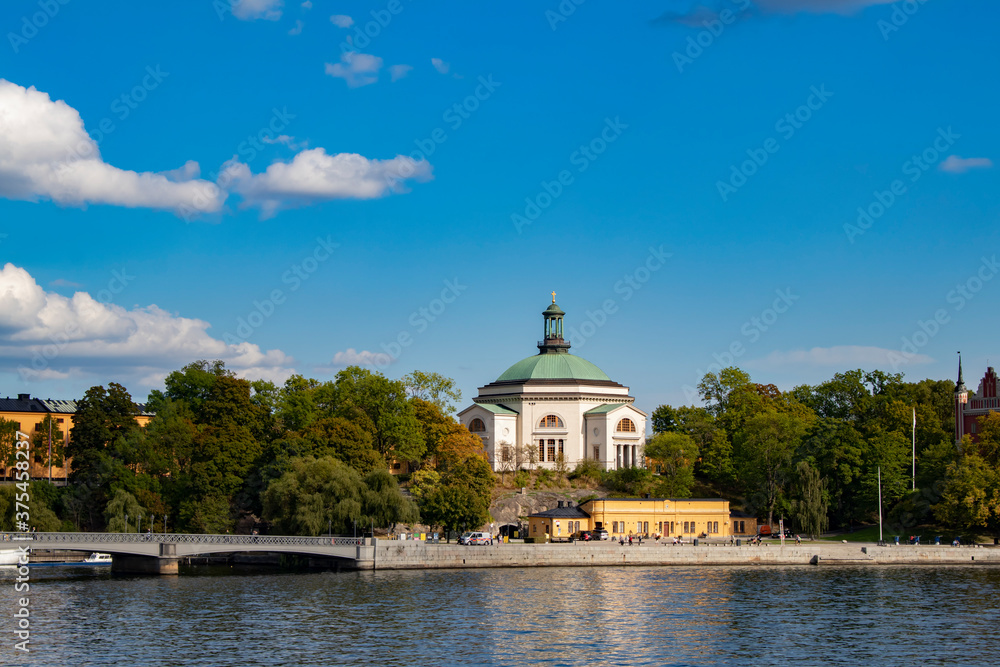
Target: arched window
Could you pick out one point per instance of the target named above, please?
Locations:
(477, 425)
(550, 421)
(626, 426)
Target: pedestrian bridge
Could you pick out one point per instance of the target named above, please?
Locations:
(158, 553)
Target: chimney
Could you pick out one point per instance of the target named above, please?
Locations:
(560, 503)
(24, 397)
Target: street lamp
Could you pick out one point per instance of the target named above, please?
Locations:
(138, 526)
(165, 523)
(126, 523)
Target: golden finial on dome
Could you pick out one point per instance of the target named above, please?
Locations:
(553, 297)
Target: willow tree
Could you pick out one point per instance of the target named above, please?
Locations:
(810, 506)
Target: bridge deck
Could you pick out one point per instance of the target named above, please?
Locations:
(184, 544)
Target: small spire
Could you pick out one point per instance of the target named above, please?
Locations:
(960, 381)
(553, 297)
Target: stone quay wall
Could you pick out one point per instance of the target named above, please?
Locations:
(409, 555)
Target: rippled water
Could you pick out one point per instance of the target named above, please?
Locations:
(558, 616)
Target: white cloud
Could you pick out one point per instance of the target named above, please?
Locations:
(351, 357)
(818, 6)
(342, 20)
(399, 71)
(251, 10)
(46, 153)
(313, 176)
(45, 335)
(842, 356)
(286, 140)
(955, 164)
(297, 30)
(307, 5)
(440, 65)
(694, 13)
(357, 69)
(62, 282)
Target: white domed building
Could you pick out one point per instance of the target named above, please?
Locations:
(554, 409)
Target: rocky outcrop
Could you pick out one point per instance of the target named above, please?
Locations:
(514, 507)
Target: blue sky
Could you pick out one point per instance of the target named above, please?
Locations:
(240, 181)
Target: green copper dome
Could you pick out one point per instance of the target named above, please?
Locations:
(553, 361)
(553, 367)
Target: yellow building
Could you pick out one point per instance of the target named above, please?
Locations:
(28, 415)
(686, 517)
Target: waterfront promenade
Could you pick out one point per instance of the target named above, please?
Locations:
(403, 555)
(160, 553)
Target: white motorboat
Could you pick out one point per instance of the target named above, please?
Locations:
(9, 556)
(98, 558)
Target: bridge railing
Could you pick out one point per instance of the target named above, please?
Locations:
(54, 539)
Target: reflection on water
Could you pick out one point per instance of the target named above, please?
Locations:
(558, 616)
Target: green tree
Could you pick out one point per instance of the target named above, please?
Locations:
(435, 388)
(673, 456)
(462, 498)
(664, 419)
(715, 459)
(970, 500)
(104, 420)
(122, 505)
(716, 389)
(344, 440)
(763, 450)
(631, 482)
(838, 452)
(381, 407)
(809, 502)
(315, 494)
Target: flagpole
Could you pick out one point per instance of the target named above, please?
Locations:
(880, 504)
(914, 483)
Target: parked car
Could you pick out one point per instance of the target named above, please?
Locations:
(600, 534)
(476, 537)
